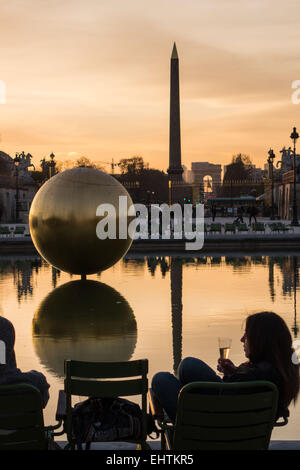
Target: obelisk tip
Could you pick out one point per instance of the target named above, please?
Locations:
(174, 52)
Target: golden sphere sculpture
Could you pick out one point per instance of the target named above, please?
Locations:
(63, 221)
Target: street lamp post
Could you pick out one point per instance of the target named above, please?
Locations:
(52, 165)
(295, 328)
(294, 136)
(271, 174)
(17, 161)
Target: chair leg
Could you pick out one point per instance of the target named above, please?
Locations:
(163, 441)
(145, 446)
(69, 446)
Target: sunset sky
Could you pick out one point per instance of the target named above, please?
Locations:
(91, 78)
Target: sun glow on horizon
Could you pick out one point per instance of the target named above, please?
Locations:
(92, 78)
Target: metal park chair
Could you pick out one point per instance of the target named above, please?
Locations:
(215, 228)
(21, 419)
(280, 227)
(220, 416)
(229, 228)
(206, 228)
(258, 227)
(273, 226)
(242, 227)
(284, 228)
(4, 231)
(19, 230)
(89, 379)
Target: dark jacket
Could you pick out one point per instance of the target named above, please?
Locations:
(261, 371)
(37, 379)
(9, 373)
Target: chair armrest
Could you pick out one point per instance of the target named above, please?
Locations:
(156, 409)
(61, 410)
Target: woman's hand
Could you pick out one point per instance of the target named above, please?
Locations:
(226, 367)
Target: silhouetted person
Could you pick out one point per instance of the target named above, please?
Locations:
(252, 214)
(213, 212)
(240, 215)
(9, 373)
(268, 349)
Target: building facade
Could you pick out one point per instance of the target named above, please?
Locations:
(16, 186)
(284, 196)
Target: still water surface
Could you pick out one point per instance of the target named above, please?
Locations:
(160, 308)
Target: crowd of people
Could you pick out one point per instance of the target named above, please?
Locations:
(239, 212)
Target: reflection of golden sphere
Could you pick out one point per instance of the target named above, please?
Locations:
(83, 320)
(63, 221)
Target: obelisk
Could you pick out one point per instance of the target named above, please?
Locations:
(175, 169)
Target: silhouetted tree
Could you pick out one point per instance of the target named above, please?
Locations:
(239, 179)
(239, 169)
(86, 162)
(133, 164)
(146, 185)
(80, 162)
(38, 177)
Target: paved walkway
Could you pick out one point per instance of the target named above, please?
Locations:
(155, 445)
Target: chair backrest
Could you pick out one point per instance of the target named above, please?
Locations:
(19, 229)
(258, 226)
(84, 379)
(216, 227)
(21, 418)
(225, 416)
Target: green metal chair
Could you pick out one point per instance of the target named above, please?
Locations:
(284, 228)
(206, 228)
(273, 226)
(21, 419)
(258, 227)
(242, 227)
(82, 379)
(19, 230)
(229, 228)
(215, 228)
(4, 230)
(220, 416)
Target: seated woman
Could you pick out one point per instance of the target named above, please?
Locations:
(268, 348)
(9, 373)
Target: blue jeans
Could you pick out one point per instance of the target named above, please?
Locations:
(167, 387)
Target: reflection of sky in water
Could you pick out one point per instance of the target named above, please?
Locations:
(170, 308)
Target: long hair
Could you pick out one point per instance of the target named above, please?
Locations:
(270, 340)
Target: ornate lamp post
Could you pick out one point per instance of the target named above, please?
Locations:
(295, 328)
(271, 175)
(17, 161)
(294, 136)
(52, 165)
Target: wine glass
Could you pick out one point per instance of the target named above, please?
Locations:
(224, 347)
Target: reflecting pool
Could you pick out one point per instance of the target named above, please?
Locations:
(157, 307)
